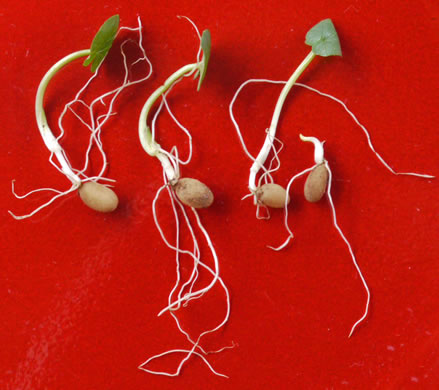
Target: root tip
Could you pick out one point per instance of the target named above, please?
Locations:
(15, 216)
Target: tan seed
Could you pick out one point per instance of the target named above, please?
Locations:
(272, 195)
(316, 183)
(193, 193)
(98, 197)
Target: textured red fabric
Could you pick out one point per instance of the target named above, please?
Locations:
(80, 291)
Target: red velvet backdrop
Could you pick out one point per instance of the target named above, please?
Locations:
(80, 291)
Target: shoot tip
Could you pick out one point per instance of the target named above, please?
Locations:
(304, 138)
(318, 148)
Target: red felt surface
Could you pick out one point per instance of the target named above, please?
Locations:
(80, 291)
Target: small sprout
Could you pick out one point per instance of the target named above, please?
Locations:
(193, 193)
(98, 197)
(102, 43)
(316, 183)
(272, 195)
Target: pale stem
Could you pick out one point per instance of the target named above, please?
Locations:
(318, 148)
(268, 144)
(47, 135)
(146, 137)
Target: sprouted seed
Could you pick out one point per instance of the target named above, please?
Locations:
(183, 191)
(324, 41)
(322, 181)
(97, 196)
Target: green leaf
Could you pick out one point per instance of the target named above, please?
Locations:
(324, 39)
(205, 47)
(102, 42)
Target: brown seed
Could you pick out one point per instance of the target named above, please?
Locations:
(98, 197)
(193, 193)
(316, 183)
(272, 195)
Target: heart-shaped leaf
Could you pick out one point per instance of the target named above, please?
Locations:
(102, 42)
(323, 39)
(205, 47)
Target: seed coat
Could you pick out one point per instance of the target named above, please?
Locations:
(272, 195)
(98, 197)
(193, 193)
(316, 183)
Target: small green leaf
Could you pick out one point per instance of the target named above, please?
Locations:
(324, 39)
(205, 47)
(102, 42)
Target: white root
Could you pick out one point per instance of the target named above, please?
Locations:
(195, 254)
(177, 372)
(290, 233)
(94, 124)
(49, 202)
(354, 260)
(173, 305)
(366, 133)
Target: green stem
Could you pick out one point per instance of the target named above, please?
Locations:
(287, 88)
(148, 143)
(39, 110)
(268, 144)
(47, 135)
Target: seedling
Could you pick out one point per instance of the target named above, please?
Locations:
(324, 42)
(95, 195)
(182, 192)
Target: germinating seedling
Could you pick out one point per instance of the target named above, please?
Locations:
(97, 196)
(324, 41)
(182, 192)
(318, 183)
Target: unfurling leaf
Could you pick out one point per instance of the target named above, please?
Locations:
(102, 42)
(205, 47)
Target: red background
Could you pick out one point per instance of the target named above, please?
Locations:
(80, 291)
